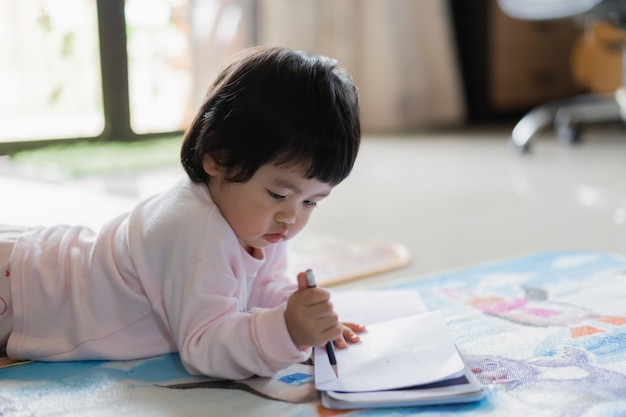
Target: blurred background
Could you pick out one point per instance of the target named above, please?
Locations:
(114, 83)
(115, 69)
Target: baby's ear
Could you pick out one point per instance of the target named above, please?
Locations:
(210, 165)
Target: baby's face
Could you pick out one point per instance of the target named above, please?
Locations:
(274, 205)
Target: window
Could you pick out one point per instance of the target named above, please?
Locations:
(49, 70)
(111, 69)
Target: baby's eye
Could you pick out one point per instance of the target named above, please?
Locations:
(309, 203)
(275, 196)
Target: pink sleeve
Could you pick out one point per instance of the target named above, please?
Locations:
(215, 338)
(243, 345)
(272, 286)
(269, 332)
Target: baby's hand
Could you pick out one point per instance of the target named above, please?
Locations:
(310, 317)
(349, 334)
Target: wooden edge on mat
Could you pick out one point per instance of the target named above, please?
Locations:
(337, 259)
(402, 259)
(6, 362)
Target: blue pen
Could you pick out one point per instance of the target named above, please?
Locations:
(310, 278)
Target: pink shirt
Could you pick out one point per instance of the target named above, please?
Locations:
(168, 276)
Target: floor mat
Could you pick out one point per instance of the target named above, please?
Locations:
(544, 334)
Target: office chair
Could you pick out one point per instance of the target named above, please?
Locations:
(568, 115)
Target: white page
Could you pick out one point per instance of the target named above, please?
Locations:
(395, 354)
(374, 306)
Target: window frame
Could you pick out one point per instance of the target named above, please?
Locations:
(115, 85)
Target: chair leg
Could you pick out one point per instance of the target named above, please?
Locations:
(529, 125)
(568, 116)
(566, 130)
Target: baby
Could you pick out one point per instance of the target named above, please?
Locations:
(200, 268)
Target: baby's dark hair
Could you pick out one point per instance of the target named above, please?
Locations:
(276, 105)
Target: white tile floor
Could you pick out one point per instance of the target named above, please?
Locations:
(454, 199)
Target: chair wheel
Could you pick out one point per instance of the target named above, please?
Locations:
(568, 132)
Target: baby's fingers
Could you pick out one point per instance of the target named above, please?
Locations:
(355, 327)
(349, 334)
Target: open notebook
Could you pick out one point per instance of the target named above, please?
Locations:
(408, 361)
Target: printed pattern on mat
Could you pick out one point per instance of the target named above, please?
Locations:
(545, 334)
